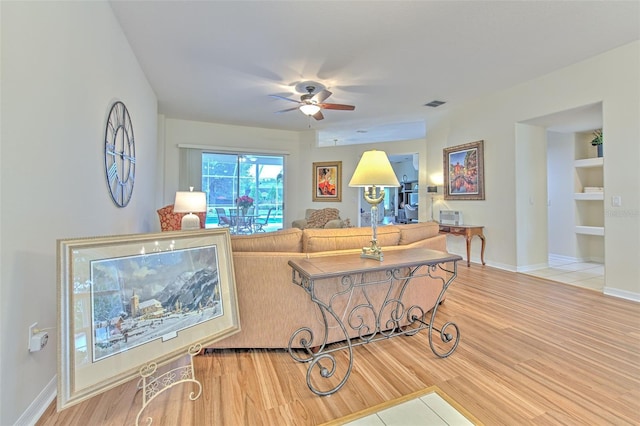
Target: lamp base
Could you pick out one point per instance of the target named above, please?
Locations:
(374, 252)
(190, 222)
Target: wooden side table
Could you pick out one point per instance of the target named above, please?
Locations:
(467, 231)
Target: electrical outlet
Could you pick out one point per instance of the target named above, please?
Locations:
(39, 341)
(32, 327)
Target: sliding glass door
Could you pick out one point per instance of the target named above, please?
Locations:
(227, 177)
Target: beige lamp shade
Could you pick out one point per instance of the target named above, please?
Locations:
(189, 202)
(374, 172)
(374, 168)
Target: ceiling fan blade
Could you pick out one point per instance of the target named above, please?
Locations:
(338, 106)
(318, 115)
(285, 99)
(287, 110)
(321, 96)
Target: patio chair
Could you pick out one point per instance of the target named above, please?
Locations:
(260, 223)
(245, 221)
(223, 219)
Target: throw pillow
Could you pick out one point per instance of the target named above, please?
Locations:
(320, 217)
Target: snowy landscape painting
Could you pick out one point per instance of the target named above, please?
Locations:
(130, 301)
(140, 298)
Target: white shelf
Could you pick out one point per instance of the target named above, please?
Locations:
(589, 196)
(589, 173)
(589, 162)
(590, 230)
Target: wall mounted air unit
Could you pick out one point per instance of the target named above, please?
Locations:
(450, 217)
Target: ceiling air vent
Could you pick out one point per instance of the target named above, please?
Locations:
(434, 104)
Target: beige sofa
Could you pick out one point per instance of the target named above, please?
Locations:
(271, 307)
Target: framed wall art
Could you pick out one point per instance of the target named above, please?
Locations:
(125, 301)
(464, 171)
(327, 181)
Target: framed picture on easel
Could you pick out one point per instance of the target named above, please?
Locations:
(125, 301)
(463, 168)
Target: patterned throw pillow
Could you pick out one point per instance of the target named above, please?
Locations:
(319, 218)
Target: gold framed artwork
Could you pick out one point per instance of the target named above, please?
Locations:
(327, 181)
(126, 301)
(463, 170)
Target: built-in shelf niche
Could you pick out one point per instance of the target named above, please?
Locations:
(589, 178)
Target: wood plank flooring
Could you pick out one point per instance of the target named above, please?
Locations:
(531, 352)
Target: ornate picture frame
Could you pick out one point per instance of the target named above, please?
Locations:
(126, 301)
(463, 169)
(327, 181)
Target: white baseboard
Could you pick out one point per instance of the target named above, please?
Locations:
(502, 266)
(528, 268)
(562, 258)
(39, 405)
(570, 259)
(623, 294)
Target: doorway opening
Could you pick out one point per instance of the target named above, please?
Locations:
(572, 236)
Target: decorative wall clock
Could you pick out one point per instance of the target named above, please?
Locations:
(119, 154)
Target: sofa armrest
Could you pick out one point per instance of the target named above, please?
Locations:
(335, 223)
(299, 223)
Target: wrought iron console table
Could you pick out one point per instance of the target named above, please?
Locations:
(364, 298)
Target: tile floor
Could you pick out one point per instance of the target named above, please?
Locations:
(430, 409)
(582, 274)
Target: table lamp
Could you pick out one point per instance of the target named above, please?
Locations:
(374, 172)
(190, 202)
(432, 190)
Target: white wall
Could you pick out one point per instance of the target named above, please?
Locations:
(353, 202)
(405, 168)
(63, 65)
(200, 134)
(531, 195)
(610, 78)
(302, 153)
(560, 175)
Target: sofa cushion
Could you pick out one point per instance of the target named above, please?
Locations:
(286, 240)
(320, 217)
(315, 240)
(410, 233)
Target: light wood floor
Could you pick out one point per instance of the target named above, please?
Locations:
(531, 352)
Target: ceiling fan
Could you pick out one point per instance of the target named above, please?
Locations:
(312, 103)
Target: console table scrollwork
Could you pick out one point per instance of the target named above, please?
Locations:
(363, 299)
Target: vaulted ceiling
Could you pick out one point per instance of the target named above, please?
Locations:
(219, 61)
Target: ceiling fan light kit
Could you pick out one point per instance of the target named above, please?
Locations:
(312, 103)
(309, 109)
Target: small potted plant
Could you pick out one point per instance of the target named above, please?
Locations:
(597, 141)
